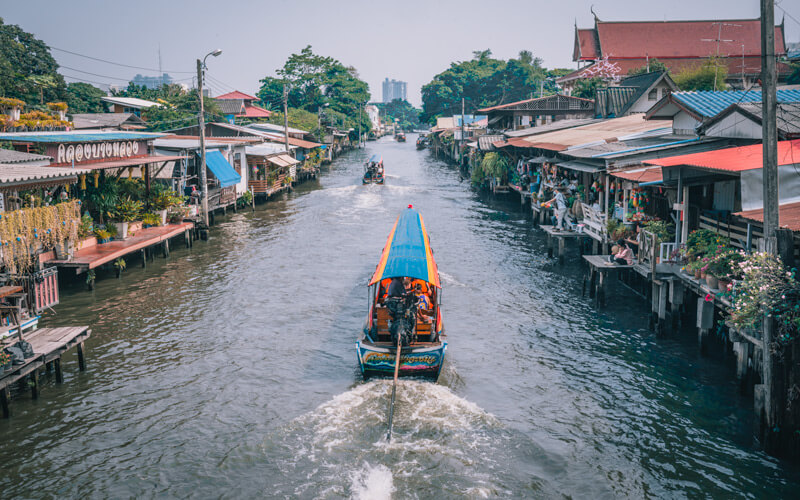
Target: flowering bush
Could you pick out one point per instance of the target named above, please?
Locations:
(763, 287)
(725, 263)
(704, 241)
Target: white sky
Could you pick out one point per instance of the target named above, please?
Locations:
(409, 40)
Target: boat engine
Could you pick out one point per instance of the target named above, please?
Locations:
(403, 315)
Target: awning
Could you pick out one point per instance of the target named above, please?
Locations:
(222, 170)
(641, 176)
(407, 252)
(282, 160)
(540, 159)
(131, 162)
(576, 165)
(19, 175)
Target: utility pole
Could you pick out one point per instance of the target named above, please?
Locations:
(286, 116)
(770, 200)
(201, 118)
(359, 125)
(461, 146)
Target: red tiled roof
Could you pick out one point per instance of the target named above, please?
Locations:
(752, 66)
(788, 214)
(237, 95)
(640, 175)
(680, 39)
(255, 112)
(587, 42)
(733, 159)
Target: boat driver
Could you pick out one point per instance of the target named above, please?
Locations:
(396, 288)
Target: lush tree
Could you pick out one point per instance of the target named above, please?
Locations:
(653, 65)
(27, 69)
(482, 82)
(313, 82)
(586, 87)
(794, 77)
(180, 110)
(298, 118)
(406, 114)
(85, 98)
(712, 73)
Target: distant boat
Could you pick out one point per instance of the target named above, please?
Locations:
(400, 320)
(400, 137)
(373, 171)
(422, 142)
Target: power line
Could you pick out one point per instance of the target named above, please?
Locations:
(114, 63)
(95, 74)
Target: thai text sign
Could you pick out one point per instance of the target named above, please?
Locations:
(71, 153)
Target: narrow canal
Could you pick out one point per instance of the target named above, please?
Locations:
(229, 370)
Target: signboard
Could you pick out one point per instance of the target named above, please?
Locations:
(90, 152)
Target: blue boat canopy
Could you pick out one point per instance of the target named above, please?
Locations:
(376, 159)
(222, 169)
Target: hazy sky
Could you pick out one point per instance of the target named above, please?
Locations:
(406, 40)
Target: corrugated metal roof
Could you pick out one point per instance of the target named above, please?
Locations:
(11, 156)
(552, 127)
(97, 120)
(131, 102)
(282, 160)
(230, 106)
(639, 175)
(77, 136)
(263, 149)
(18, 174)
(733, 159)
(486, 142)
(274, 127)
(256, 112)
(787, 117)
(708, 103)
(605, 131)
(788, 215)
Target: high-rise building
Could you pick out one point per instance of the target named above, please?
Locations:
(152, 82)
(394, 89)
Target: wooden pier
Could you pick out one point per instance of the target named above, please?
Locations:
(95, 256)
(556, 241)
(49, 345)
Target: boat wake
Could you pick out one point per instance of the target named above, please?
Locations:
(442, 446)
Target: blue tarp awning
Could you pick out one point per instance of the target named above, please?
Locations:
(222, 170)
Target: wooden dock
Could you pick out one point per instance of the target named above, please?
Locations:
(49, 344)
(86, 259)
(557, 238)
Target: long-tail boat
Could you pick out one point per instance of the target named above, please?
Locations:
(405, 314)
(373, 171)
(400, 137)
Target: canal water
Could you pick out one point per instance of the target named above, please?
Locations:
(229, 370)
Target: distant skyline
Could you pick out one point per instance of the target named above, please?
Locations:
(411, 43)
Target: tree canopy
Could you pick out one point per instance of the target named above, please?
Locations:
(407, 115)
(84, 98)
(314, 82)
(27, 69)
(704, 77)
(483, 81)
(653, 65)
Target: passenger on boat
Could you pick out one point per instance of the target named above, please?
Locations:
(396, 288)
(424, 305)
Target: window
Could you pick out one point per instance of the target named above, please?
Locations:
(652, 95)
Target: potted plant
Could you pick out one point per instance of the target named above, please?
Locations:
(152, 220)
(126, 211)
(102, 235)
(5, 361)
(163, 201)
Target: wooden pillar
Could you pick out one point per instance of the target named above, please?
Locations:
(5, 398)
(166, 248)
(601, 288)
(59, 372)
(561, 242)
(34, 383)
(186, 237)
(81, 358)
(705, 321)
(549, 245)
(144, 258)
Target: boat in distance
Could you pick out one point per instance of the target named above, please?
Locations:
(373, 170)
(404, 307)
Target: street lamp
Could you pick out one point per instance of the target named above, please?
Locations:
(203, 176)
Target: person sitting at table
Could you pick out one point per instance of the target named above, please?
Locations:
(624, 255)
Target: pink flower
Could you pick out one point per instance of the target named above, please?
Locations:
(709, 298)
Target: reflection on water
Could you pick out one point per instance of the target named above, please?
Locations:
(229, 370)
